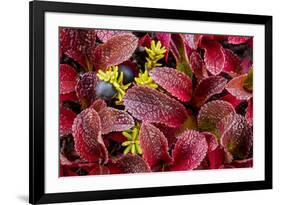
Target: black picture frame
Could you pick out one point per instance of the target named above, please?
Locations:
(37, 10)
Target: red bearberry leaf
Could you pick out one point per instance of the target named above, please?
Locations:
(244, 163)
(215, 154)
(86, 43)
(212, 112)
(116, 137)
(86, 131)
(145, 41)
(68, 38)
(165, 39)
(175, 82)
(128, 164)
(66, 170)
(97, 169)
(249, 112)
(68, 97)
(169, 133)
(77, 56)
(116, 50)
(67, 79)
(213, 57)
(181, 51)
(236, 135)
(189, 151)
(237, 39)
(232, 61)
(190, 40)
(86, 88)
(216, 158)
(78, 44)
(66, 119)
(207, 88)
(197, 40)
(211, 140)
(198, 66)
(235, 88)
(189, 123)
(104, 35)
(98, 105)
(246, 65)
(154, 146)
(209, 37)
(153, 106)
(231, 99)
(113, 120)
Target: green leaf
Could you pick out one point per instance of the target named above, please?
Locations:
(133, 150)
(189, 123)
(248, 83)
(126, 143)
(184, 66)
(128, 149)
(182, 58)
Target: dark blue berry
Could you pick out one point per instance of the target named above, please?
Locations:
(105, 90)
(128, 74)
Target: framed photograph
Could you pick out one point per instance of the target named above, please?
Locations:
(140, 102)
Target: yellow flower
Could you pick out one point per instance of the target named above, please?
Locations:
(112, 76)
(155, 53)
(145, 80)
(133, 142)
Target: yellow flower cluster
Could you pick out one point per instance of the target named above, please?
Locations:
(145, 80)
(155, 53)
(133, 143)
(112, 76)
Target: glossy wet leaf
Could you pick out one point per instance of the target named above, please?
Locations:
(68, 79)
(145, 41)
(237, 39)
(236, 88)
(68, 97)
(66, 119)
(169, 133)
(232, 61)
(165, 39)
(114, 51)
(231, 99)
(211, 140)
(98, 105)
(207, 88)
(104, 35)
(114, 120)
(175, 82)
(78, 44)
(150, 105)
(86, 130)
(181, 51)
(216, 158)
(213, 57)
(154, 146)
(129, 164)
(86, 88)
(98, 169)
(190, 149)
(198, 66)
(213, 112)
(236, 135)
